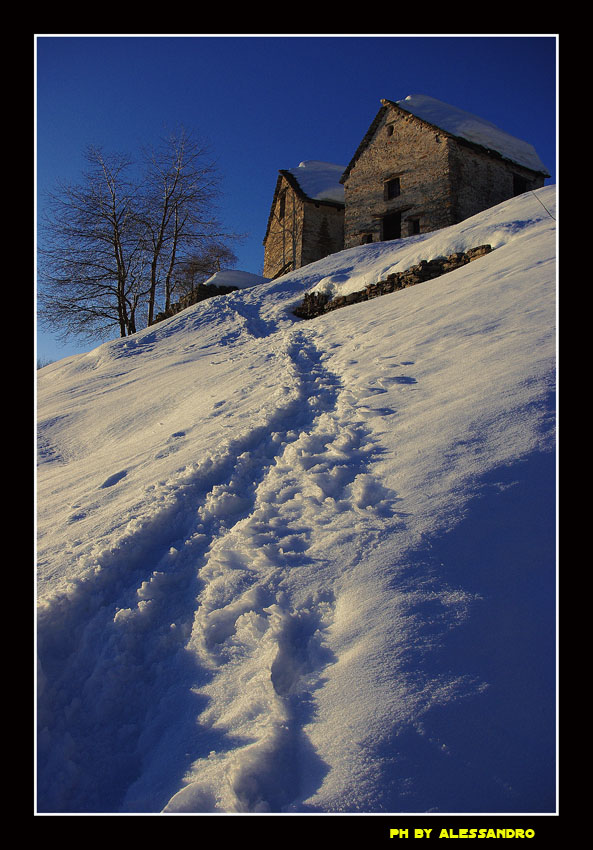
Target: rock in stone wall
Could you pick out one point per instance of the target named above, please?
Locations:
(317, 303)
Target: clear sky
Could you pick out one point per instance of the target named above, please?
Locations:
(269, 102)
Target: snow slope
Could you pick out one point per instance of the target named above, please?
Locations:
(309, 567)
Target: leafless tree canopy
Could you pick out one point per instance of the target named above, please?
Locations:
(114, 248)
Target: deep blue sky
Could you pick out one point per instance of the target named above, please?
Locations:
(265, 103)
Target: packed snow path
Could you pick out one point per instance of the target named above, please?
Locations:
(309, 568)
(239, 525)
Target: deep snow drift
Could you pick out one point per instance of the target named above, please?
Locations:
(309, 567)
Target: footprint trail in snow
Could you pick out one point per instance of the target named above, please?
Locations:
(192, 649)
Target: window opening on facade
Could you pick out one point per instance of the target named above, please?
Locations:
(367, 238)
(414, 226)
(282, 206)
(392, 188)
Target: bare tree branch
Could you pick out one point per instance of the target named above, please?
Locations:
(111, 245)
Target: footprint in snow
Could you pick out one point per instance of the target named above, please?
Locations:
(113, 479)
(173, 445)
(369, 412)
(399, 379)
(76, 517)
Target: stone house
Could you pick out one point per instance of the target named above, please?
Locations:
(424, 165)
(306, 221)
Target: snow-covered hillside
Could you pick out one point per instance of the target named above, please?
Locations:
(309, 567)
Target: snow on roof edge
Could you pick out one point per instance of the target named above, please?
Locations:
(319, 180)
(472, 128)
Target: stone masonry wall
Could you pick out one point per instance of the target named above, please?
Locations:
(480, 181)
(317, 303)
(323, 231)
(307, 232)
(283, 243)
(404, 147)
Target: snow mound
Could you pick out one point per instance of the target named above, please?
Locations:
(474, 129)
(231, 277)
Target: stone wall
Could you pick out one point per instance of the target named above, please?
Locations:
(283, 243)
(323, 232)
(480, 181)
(318, 303)
(300, 231)
(401, 147)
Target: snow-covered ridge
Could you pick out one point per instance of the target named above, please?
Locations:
(309, 567)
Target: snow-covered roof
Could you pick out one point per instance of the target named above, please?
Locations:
(472, 128)
(316, 180)
(459, 124)
(232, 277)
(319, 181)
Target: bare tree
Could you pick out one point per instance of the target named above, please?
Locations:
(90, 252)
(178, 196)
(112, 245)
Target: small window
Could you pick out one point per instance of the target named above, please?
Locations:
(392, 189)
(414, 226)
(282, 206)
(367, 238)
(390, 129)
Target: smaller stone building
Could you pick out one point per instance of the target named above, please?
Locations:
(306, 221)
(424, 165)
